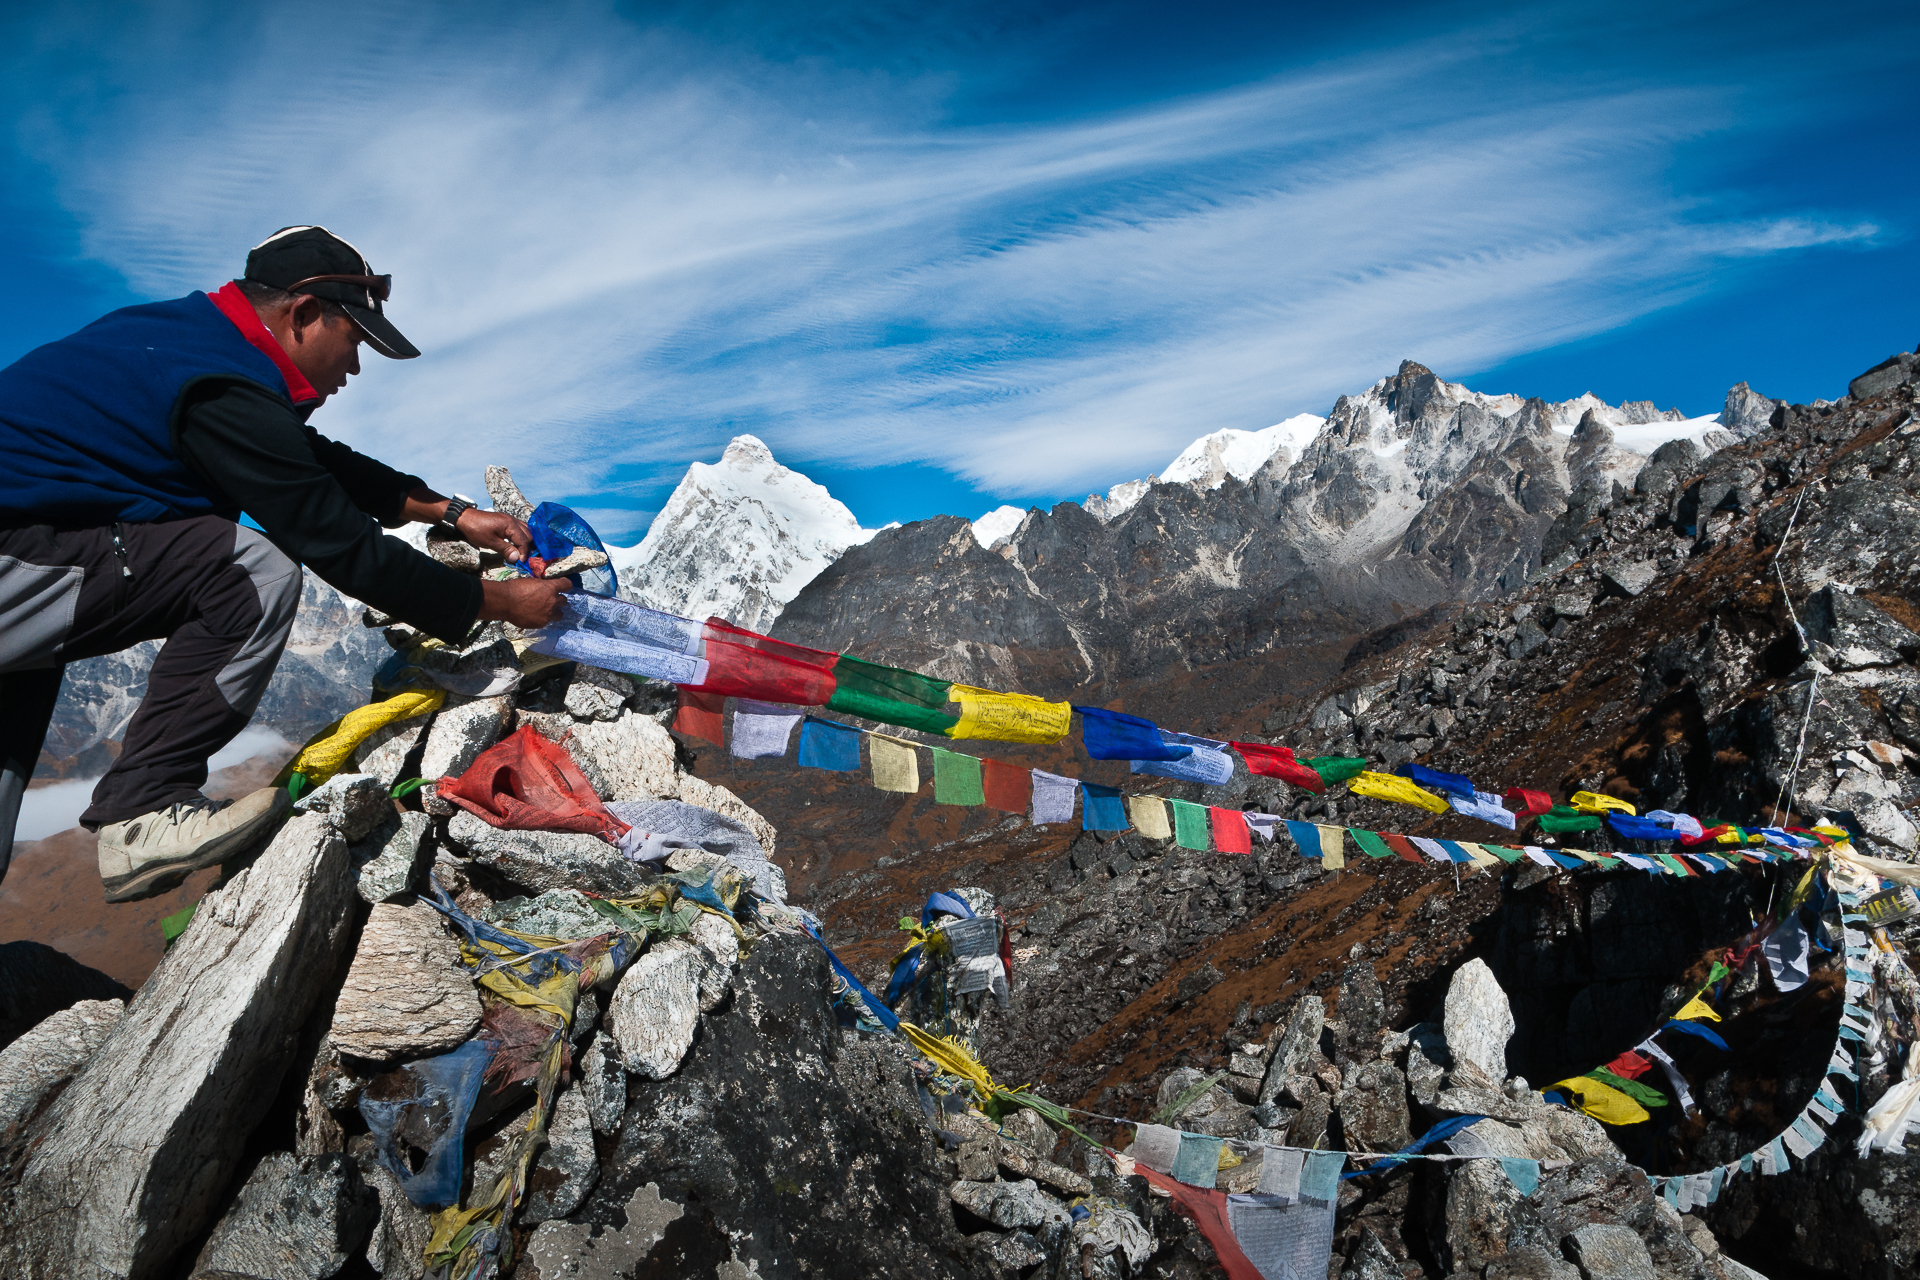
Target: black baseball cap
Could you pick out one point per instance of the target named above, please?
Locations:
(313, 260)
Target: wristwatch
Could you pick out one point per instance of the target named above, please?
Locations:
(455, 506)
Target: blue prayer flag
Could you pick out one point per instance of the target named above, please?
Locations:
(1641, 828)
(1320, 1175)
(1204, 765)
(1523, 1174)
(1114, 735)
(1306, 835)
(1198, 1160)
(1102, 810)
(1454, 850)
(1695, 1029)
(827, 744)
(1454, 784)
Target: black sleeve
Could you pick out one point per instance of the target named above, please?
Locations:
(250, 445)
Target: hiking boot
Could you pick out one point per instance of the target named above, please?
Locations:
(154, 852)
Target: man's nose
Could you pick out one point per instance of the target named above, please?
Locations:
(353, 362)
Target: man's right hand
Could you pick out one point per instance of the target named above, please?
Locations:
(529, 603)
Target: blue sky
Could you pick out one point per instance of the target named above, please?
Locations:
(996, 253)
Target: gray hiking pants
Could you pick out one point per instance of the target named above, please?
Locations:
(221, 596)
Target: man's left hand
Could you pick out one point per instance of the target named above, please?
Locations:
(495, 531)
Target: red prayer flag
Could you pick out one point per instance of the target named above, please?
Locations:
(1279, 762)
(525, 783)
(1404, 847)
(1230, 834)
(1208, 1210)
(1630, 1065)
(1708, 836)
(746, 664)
(1008, 787)
(1528, 804)
(701, 716)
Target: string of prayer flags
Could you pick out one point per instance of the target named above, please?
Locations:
(761, 729)
(1332, 769)
(1387, 786)
(1052, 797)
(956, 778)
(703, 716)
(1484, 806)
(1190, 824)
(621, 636)
(1006, 787)
(1565, 820)
(746, 664)
(1454, 784)
(1230, 831)
(1278, 762)
(1529, 804)
(1008, 717)
(1101, 808)
(1594, 802)
(828, 744)
(890, 695)
(895, 763)
(1205, 762)
(1114, 735)
(1149, 814)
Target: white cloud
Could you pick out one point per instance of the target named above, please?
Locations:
(619, 248)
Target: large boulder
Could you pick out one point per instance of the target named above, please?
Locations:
(655, 1009)
(1477, 1020)
(37, 982)
(543, 860)
(132, 1161)
(293, 1219)
(48, 1056)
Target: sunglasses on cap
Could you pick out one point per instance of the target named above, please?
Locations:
(379, 287)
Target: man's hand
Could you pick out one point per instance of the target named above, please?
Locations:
(495, 531)
(529, 603)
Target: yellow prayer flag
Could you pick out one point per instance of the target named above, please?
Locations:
(1481, 858)
(1695, 1008)
(1603, 1102)
(1594, 802)
(1389, 786)
(895, 764)
(327, 752)
(1149, 816)
(1333, 847)
(1008, 717)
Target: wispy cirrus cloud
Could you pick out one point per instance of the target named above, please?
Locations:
(620, 245)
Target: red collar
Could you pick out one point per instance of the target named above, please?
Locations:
(234, 306)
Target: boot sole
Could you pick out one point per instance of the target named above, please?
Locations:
(160, 877)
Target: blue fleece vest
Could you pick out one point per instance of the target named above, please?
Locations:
(86, 423)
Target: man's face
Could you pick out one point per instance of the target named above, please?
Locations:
(323, 344)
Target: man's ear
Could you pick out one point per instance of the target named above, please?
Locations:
(306, 310)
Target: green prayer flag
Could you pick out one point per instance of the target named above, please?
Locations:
(1644, 1094)
(956, 778)
(1334, 769)
(1370, 843)
(1503, 853)
(171, 927)
(1191, 826)
(890, 695)
(1564, 818)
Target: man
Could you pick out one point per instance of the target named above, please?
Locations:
(128, 452)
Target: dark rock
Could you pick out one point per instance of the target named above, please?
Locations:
(292, 1219)
(37, 982)
(1372, 1109)
(1883, 377)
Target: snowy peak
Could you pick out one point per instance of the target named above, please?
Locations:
(997, 524)
(1208, 461)
(739, 538)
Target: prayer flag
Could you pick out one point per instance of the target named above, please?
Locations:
(1114, 735)
(895, 764)
(1370, 843)
(1564, 820)
(746, 664)
(1189, 824)
(1484, 806)
(1529, 803)
(1333, 847)
(1149, 814)
(761, 729)
(1454, 784)
(1633, 828)
(1386, 786)
(1401, 846)
(1522, 1173)
(1673, 865)
(1052, 797)
(1332, 769)
(1230, 831)
(1155, 1146)
(1007, 787)
(1696, 1008)
(1307, 836)
(1479, 855)
(890, 695)
(827, 744)
(1320, 1176)
(1101, 809)
(956, 778)
(1280, 1172)
(1262, 825)
(1607, 1105)
(1204, 764)
(701, 715)
(1684, 823)
(1278, 762)
(1504, 853)
(1198, 1160)
(1433, 849)
(1008, 717)
(1594, 802)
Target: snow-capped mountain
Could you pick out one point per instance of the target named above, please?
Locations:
(738, 538)
(1209, 460)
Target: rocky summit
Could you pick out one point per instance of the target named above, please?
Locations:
(401, 1039)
